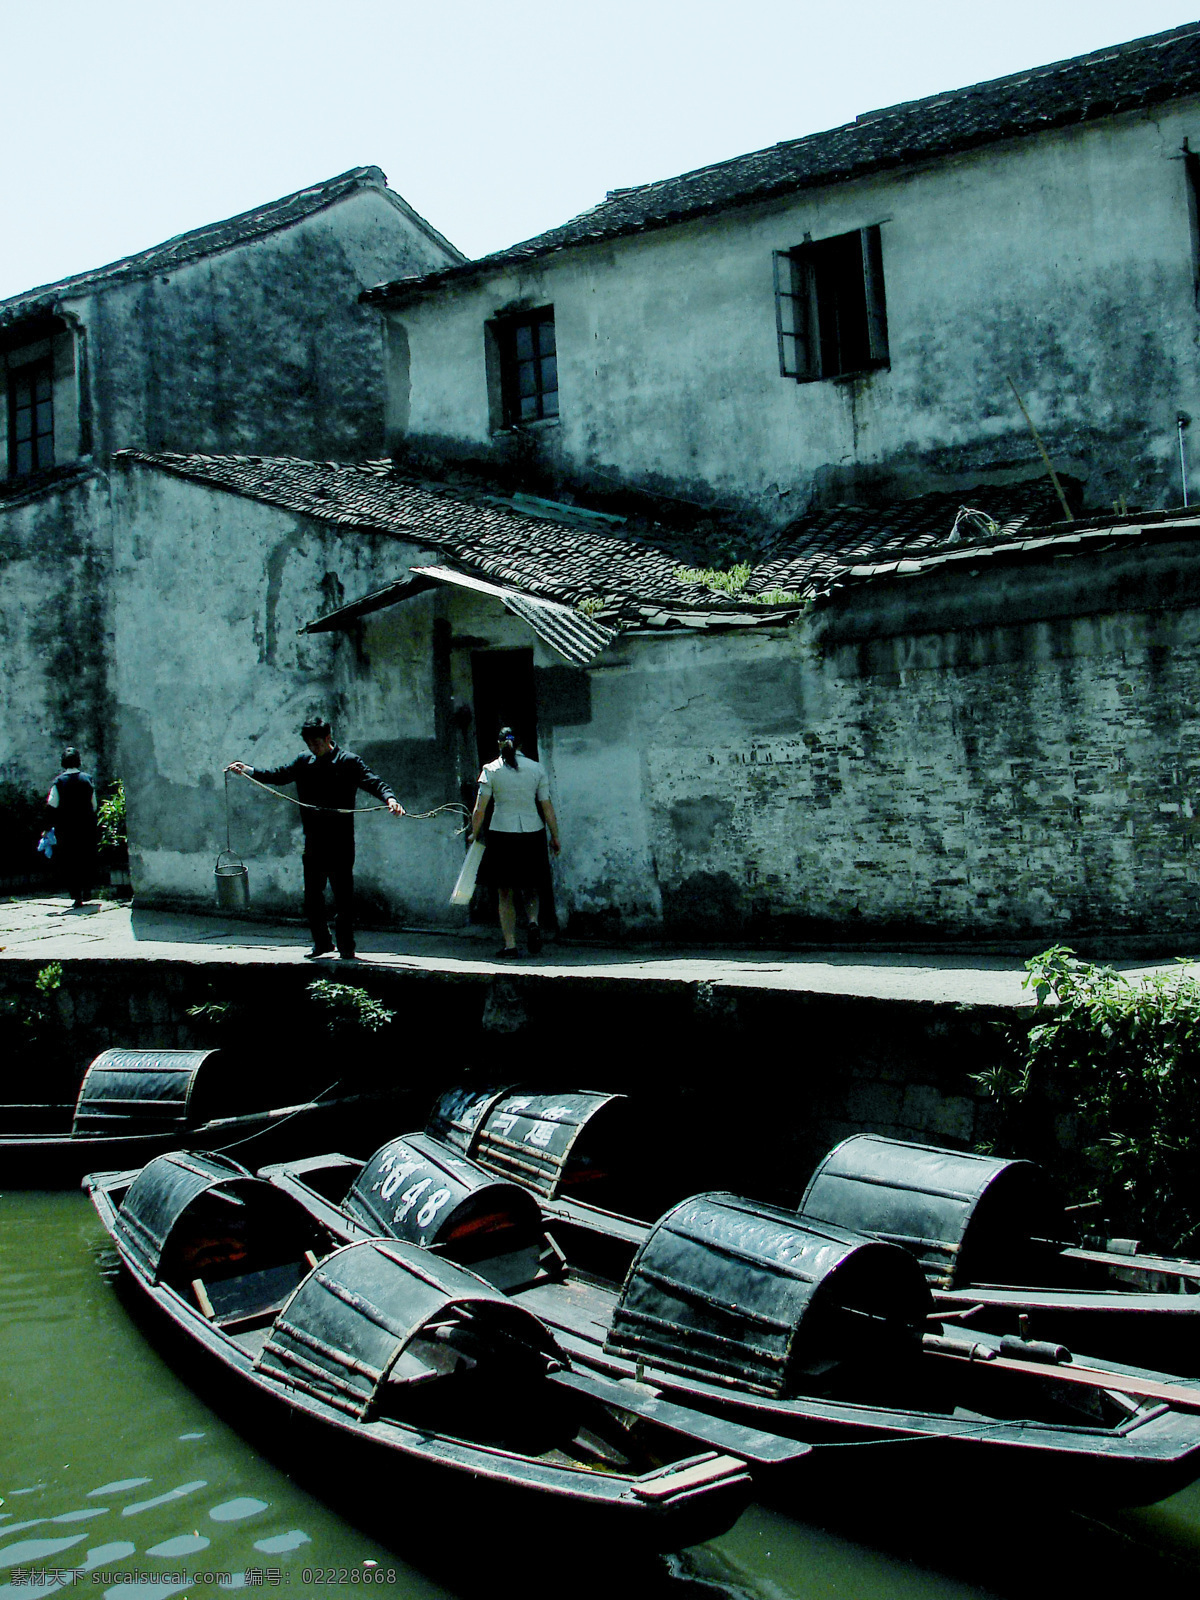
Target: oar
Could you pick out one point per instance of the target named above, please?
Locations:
(1174, 1394)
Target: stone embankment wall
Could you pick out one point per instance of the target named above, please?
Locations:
(735, 1088)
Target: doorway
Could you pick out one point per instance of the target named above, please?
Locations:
(503, 686)
(505, 694)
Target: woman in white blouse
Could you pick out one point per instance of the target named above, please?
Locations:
(515, 857)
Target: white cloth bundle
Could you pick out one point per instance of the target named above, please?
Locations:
(465, 887)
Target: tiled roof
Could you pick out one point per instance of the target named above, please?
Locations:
(1126, 77)
(206, 241)
(634, 578)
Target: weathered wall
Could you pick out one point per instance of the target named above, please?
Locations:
(1064, 259)
(1024, 768)
(260, 349)
(210, 592)
(55, 633)
(1009, 753)
(263, 348)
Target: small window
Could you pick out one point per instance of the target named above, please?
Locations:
(31, 419)
(528, 366)
(829, 307)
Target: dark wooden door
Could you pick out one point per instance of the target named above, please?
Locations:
(506, 696)
(503, 685)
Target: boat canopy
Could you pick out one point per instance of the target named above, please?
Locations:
(963, 1216)
(139, 1091)
(732, 1292)
(552, 1143)
(456, 1117)
(376, 1312)
(191, 1215)
(417, 1190)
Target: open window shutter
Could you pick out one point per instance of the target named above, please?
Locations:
(786, 315)
(872, 259)
(793, 318)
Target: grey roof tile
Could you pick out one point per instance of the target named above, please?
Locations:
(632, 574)
(1126, 77)
(206, 241)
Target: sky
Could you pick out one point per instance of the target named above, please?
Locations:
(130, 121)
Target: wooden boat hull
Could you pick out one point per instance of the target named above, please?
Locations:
(61, 1160)
(426, 1470)
(1151, 1454)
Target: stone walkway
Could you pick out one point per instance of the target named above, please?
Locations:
(46, 928)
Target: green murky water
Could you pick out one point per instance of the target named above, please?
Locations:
(117, 1478)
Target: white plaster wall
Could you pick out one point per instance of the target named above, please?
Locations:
(1063, 259)
(1021, 773)
(261, 348)
(210, 591)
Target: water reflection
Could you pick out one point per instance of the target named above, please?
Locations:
(101, 1438)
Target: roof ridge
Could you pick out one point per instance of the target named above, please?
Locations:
(1108, 52)
(1104, 82)
(209, 238)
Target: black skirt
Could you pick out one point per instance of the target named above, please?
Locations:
(514, 860)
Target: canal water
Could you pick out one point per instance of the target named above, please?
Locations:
(117, 1477)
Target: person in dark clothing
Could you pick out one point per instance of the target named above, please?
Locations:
(329, 779)
(72, 799)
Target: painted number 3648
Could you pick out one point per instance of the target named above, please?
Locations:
(409, 1198)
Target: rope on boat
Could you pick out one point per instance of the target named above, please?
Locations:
(220, 1149)
(355, 811)
(913, 1438)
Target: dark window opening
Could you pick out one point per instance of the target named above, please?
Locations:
(1191, 168)
(505, 692)
(31, 419)
(829, 307)
(528, 367)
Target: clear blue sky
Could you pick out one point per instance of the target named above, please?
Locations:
(128, 121)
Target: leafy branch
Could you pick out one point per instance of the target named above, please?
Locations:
(348, 1008)
(1125, 1056)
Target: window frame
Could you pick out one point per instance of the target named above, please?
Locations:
(507, 331)
(41, 369)
(804, 309)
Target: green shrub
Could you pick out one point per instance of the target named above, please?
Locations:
(110, 815)
(1124, 1056)
(348, 1009)
(26, 1021)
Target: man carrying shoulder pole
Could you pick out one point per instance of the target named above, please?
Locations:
(327, 783)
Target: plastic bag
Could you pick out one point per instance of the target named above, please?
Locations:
(465, 887)
(48, 843)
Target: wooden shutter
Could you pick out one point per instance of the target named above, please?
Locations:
(872, 259)
(794, 322)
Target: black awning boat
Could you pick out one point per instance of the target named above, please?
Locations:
(572, 1144)
(989, 1232)
(436, 1375)
(992, 1240)
(809, 1331)
(135, 1104)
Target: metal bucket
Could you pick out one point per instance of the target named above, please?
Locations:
(233, 882)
